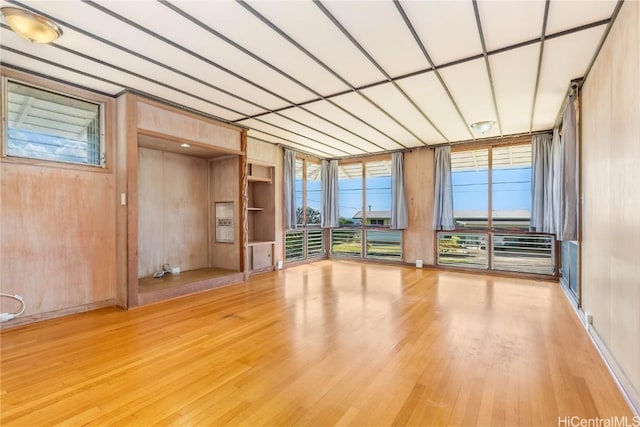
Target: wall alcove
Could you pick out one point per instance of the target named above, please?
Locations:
(179, 167)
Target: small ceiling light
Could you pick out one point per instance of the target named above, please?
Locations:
(32, 27)
(483, 127)
(185, 145)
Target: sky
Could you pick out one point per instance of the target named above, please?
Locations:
(511, 191)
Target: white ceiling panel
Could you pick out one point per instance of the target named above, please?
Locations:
(383, 34)
(391, 99)
(167, 55)
(293, 137)
(355, 102)
(505, 23)
(126, 80)
(238, 24)
(162, 20)
(260, 136)
(565, 58)
(514, 74)
(309, 131)
(470, 87)
(260, 73)
(570, 14)
(324, 125)
(336, 115)
(447, 28)
(434, 101)
(304, 22)
(10, 58)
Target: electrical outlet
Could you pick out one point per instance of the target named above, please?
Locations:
(418, 263)
(588, 318)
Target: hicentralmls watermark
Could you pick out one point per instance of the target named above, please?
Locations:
(575, 421)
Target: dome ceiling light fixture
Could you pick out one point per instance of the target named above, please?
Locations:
(33, 27)
(482, 127)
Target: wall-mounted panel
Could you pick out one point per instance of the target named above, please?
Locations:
(610, 173)
(225, 187)
(418, 239)
(58, 237)
(184, 126)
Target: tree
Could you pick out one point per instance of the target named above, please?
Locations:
(313, 216)
(345, 221)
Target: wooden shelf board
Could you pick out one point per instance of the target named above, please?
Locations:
(261, 242)
(258, 179)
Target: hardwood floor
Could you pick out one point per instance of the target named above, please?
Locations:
(329, 343)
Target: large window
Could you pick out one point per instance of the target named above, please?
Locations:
(308, 240)
(46, 125)
(492, 187)
(492, 207)
(364, 188)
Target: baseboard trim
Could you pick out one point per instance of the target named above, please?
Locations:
(629, 392)
(26, 320)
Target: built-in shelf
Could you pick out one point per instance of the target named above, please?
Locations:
(261, 242)
(258, 179)
(261, 223)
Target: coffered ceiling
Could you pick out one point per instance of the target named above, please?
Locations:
(331, 78)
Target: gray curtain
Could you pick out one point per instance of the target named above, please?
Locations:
(557, 193)
(399, 215)
(329, 181)
(290, 190)
(542, 184)
(443, 195)
(569, 229)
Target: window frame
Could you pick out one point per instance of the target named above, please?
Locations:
(363, 227)
(104, 104)
(305, 160)
(490, 230)
(489, 147)
(363, 161)
(303, 229)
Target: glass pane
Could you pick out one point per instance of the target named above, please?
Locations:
(315, 242)
(525, 253)
(314, 193)
(299, 191)
(293, 246)
(467, 250)
(470, 177)
(350, 193)
(50, 126)
(346, 242)
(384, 244)
(511, 187)
(378, 193)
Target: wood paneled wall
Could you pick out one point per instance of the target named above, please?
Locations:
(172, 211)
(224, 188)
(611, 199)
(418, 242)
(57, 227)
(166, 121)
(58, 237)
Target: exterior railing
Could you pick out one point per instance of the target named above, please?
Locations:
(303, 244)
(367, 243)
(523, 253)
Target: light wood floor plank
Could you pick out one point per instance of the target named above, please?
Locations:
(329, 343)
